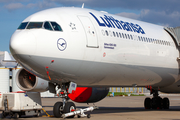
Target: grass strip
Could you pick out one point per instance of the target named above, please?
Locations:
(125, 94)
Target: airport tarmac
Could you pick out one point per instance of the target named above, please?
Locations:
(115, 108)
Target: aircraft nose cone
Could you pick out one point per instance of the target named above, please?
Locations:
(22, 43)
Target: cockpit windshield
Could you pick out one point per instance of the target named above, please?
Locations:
(23, 25)
(55, 26)
(33, 25)
(48, 25)
(52, 26)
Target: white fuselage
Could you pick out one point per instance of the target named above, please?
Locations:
(91, 50)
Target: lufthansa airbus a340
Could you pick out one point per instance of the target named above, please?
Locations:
(69, 47)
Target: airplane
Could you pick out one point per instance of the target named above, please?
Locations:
(84, 52)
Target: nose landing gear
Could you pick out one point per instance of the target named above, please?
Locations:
(63, 107)
(156, 102)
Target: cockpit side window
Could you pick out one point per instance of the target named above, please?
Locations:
(55, 26)
(23, 25)
(47, 26)
(33, 25)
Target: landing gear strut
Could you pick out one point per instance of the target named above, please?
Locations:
(156, 102)
(64, 106)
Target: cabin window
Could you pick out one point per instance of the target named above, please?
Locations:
(125, 36)
(114, 34)
(22, 25)
(110, 33)
(128, 36)
(117, 34)
(144, 39)
(106, 33)
(139, 38)
(151, 39)
(120, 35)
(131, 37)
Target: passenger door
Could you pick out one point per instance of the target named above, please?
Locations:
(91, 35)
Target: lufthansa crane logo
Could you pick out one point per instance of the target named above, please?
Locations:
(61, 44)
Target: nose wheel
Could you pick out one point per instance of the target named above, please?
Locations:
(63, 107)
(69, 107)
(59, 110)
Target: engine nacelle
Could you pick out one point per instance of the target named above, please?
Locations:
(29, 82)
(88, 94)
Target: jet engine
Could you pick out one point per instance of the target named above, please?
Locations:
(88, 94)
(29, 82)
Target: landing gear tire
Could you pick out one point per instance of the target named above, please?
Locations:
(58, 109)
(89, 115)
(157, 103)
(166, 103)
(154, 104)
(148, 103)
(16, 115)
(20, 115)
(69, 107)
(3, 115)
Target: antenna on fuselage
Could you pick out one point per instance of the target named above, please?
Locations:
(83, 5)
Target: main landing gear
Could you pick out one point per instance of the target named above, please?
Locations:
(156, 102)
(64, 106)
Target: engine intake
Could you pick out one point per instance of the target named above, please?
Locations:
(29, 82)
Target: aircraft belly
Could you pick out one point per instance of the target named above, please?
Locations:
(107, 74)
(88, 73)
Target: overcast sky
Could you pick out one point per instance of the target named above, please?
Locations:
(161, 12)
